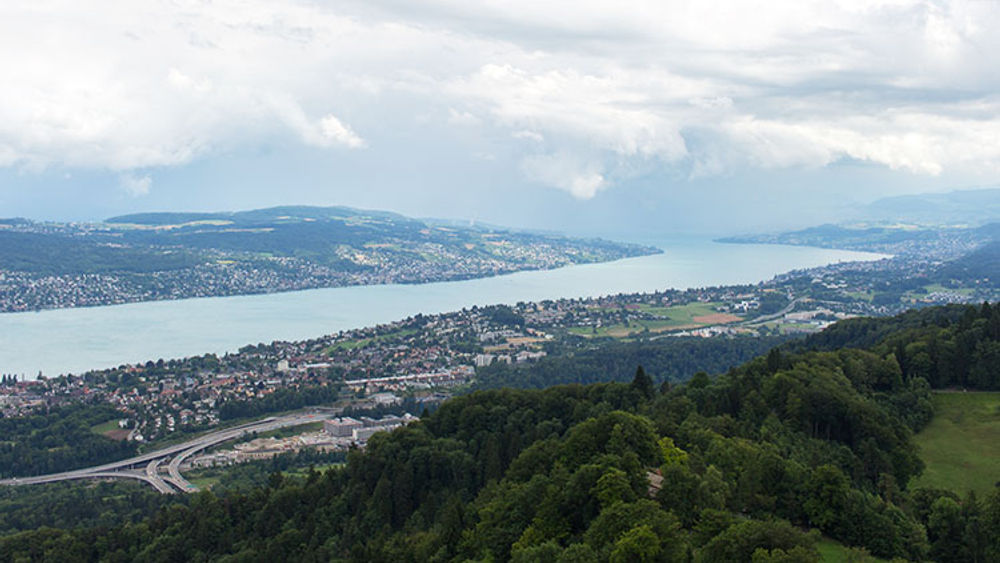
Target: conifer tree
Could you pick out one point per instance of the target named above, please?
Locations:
(643, 383)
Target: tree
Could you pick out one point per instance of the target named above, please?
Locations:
(638, 544)
(672, 455)
(945, 528)
(741, 541)
(613, 486)
(643, 383)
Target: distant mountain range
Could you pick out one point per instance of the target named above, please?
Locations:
(150, 256)
(943, 243)
(962, 207)
(938, 226)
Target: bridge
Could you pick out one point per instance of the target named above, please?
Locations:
(147, 467)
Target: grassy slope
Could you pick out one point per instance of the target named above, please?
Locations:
(960, 445)
(105, 427)
(832, 551)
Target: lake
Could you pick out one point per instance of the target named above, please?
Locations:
(76, 340)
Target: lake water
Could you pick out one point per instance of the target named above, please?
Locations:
(75, 340)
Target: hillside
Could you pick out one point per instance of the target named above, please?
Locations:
(959, 446)
(952, 208)
(904, 240)
(755, 464)
(154, 256)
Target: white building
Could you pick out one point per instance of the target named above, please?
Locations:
(341, 427)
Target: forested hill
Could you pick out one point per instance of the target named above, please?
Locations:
(755, 464)
(153, 256)
(954, 346)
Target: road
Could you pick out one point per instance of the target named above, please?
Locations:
(761, 320)
(177, 454)
(153, 476)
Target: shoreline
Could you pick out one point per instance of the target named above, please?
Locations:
(443, 279)
(121, 334)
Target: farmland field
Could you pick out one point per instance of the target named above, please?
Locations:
(692, 315)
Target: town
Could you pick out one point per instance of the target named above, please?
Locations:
(414, 363)
(105, 264)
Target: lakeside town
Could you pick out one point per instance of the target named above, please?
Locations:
(408, 365)
(60, 265)
(227, 275)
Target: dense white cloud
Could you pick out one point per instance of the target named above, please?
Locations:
(584, 94)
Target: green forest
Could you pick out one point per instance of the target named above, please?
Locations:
(62, 439)
(666, 359)
(948, 347)
(756, 464)
(58, 440)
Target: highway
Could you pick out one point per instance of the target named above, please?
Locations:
(150, 463)
(153, 477)
(761, 320)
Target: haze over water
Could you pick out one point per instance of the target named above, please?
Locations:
(76, 340)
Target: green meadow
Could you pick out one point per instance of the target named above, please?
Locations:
(832, 551)
(960, 446)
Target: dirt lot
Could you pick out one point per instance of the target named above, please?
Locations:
(117, 435)
(716, 319)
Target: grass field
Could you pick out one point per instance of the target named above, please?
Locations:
(292, 430)
(940, 288)
(304, 471)
(105, 427)
(863, 296)
(351, 344)
(832, 551)
(673, 318)
(960, 446)
(204, 483)
(111, 430)
(681, 314)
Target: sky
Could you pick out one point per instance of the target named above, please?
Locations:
(582, 116)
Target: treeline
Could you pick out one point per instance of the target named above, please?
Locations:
(255, 474)
(59, 440)
(106, 504)
(955, 346)
(73, 505)
(666, 359)
(285, 399)
(788, 442)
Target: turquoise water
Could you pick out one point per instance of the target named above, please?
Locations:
(75, 340)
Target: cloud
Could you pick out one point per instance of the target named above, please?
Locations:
(136, 186)
(582, 179)
(605, 111)
(578, 97)
(787, 87)
(336, 132)
(151, 84)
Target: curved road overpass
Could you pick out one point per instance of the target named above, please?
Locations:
(177, 454)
